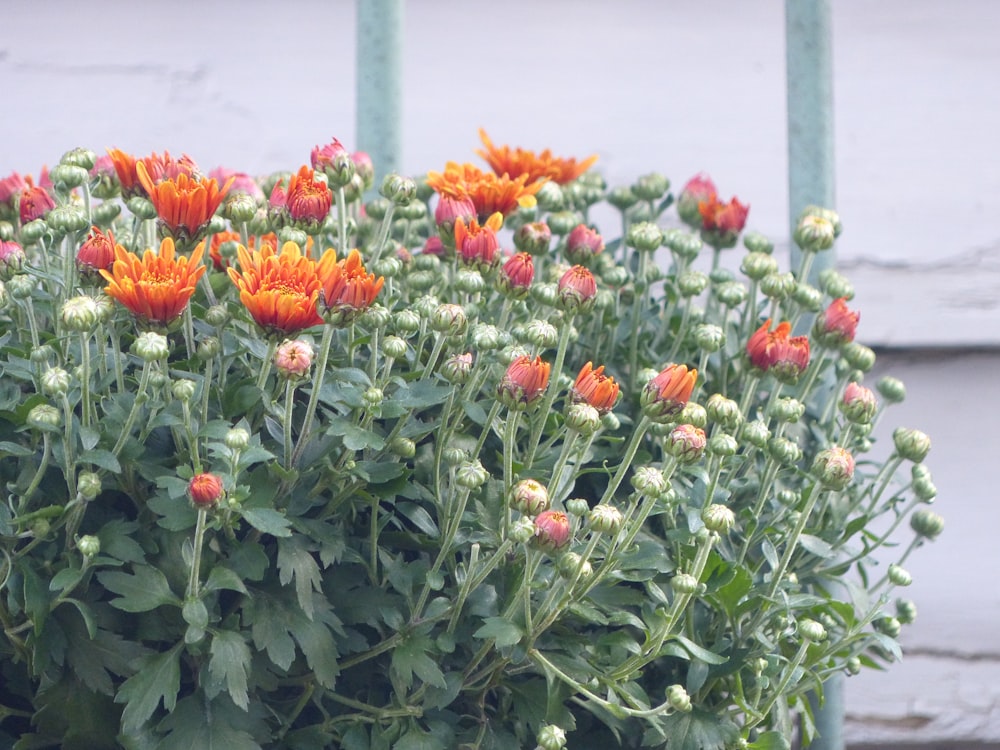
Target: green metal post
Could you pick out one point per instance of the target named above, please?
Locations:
(380, 83)
(809, 61)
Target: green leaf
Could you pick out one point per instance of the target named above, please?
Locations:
(175, 514)
(158, 678)
(420, 518)
(270, 630)
(197, 723)
(770, 741)
(229, 663)
(421, 394)
(267, 520)
(816, 546)
(355, 438)
(295, 562)
(417, 739)
(222, 577)
(15, 449)
(95, 659)
(699, 652)
(501, 630)
(102, 459)
(144, 589)
(117, 542)
(410, 657)
(698, 730)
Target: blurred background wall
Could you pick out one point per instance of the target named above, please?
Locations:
(648, 85)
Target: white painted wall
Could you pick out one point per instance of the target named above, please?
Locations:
(675, 87)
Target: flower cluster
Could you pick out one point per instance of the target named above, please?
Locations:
(290, 462)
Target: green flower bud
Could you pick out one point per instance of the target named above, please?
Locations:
(834, 467)
(141, 208)
(859, 356)
(44, 417)
(564, 222)
(377, 208)
(692, 283)
(812, 630)
(583, 418)
(890, 626)
(151, 346)
(21, 286)
(485, 336)
(237, 439)
(722, 445)
(685, 245)
(403, 447)
(853, 665)
(79, 314)
(927, 523)
(835, 285)
(571, 564)
(104, 214)
(260, 223)
(784, 451)
(622, 198)
(394, 347)
(372, 398)
(406, 321)
(788, 410)
(731, 293)
(293, 234)
(65, 177)
(605, 519)
(55, 381)
(551, 737)
(724, 411)
(542, 334)
(678, 698)
(756, 433)
(456, 369)
(899, 576)
(390, 267)
(88, 485)
(449, 319)
(758, 265)
(545, 293)
(778, 285)
(426, 305)
(651, 187)
(709, 337)
(184, 389)
(471, 475)
(924, 489)
(808, 296)
(469, 281)
(158, 379)
(208, 348)
(522, 530)
(814, 233)
(649, 481)
(912, 445)
(66, 219)
(240, 209)
(756, 242)
(718, 518)
(400, 190)
(692, 414)
(644, 236)
(610, 421)
(454, 456)
(80, 157)
(906, 611)
(577, 506)
(89, 545)
(685, 583)
(550, 198)
(892, 389)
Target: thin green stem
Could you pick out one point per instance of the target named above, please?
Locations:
(287, 421)
(321, 361)
(194, 582)
(140, 399)
(550, 393)
(633, 447)
(265, 367)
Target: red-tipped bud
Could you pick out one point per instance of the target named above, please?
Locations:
(205, 490)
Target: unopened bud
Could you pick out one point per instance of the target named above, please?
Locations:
(644, 236)
(237, 439)
(758, 265)
(924, 489)
(892, 389)
(787, 410)
(899, 576)
(456, 369)
(542, 334)
(605, 519)
(684, 583)
(709, 337)
(563, 222)
(731, 293)
(890, 626)
(926, 523)
(812, 630)
(80, 157)
(44, 417)
(89, 545)
(622, 198)
(906, 611)
(912, 445)
(577, 506)
(686, 443)
(88, 485)
(814, 233)
(406, 321)
(756, 433)
(778, 285)
(529, 497)
(79, 313)
(722, 445)
(372, 398)
(400, 190)
(471, 475)
(583, 418)
(449, 319)
(835, 285)
(522, 530)
(651, 187)
(208, 348)
(724, 411)
(693, 414)
(55, 381)
(151, 346)
(649, 481)
(551, 737)
(572, 564)
(859, 356)
(184, 389)
(784, 451)
(550, 198)
(834, 467)
(692, 283)
(718, 518)
(403, 447)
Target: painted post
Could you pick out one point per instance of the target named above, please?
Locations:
(809, 63)
(380, 83)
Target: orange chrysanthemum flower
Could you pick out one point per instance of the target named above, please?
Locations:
(478, 246)
(185, 205)
(666, 395)
(595, 388)
(278, 290)
(157, 288)
(307, 200)
(488, 192)
(777, 352)
(347, 289)
(504, 160)
(524, 382)
(158, 168)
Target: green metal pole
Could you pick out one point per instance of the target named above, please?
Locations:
(809, 61)
(380, 83)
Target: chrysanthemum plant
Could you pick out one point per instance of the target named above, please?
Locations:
(289, 467)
